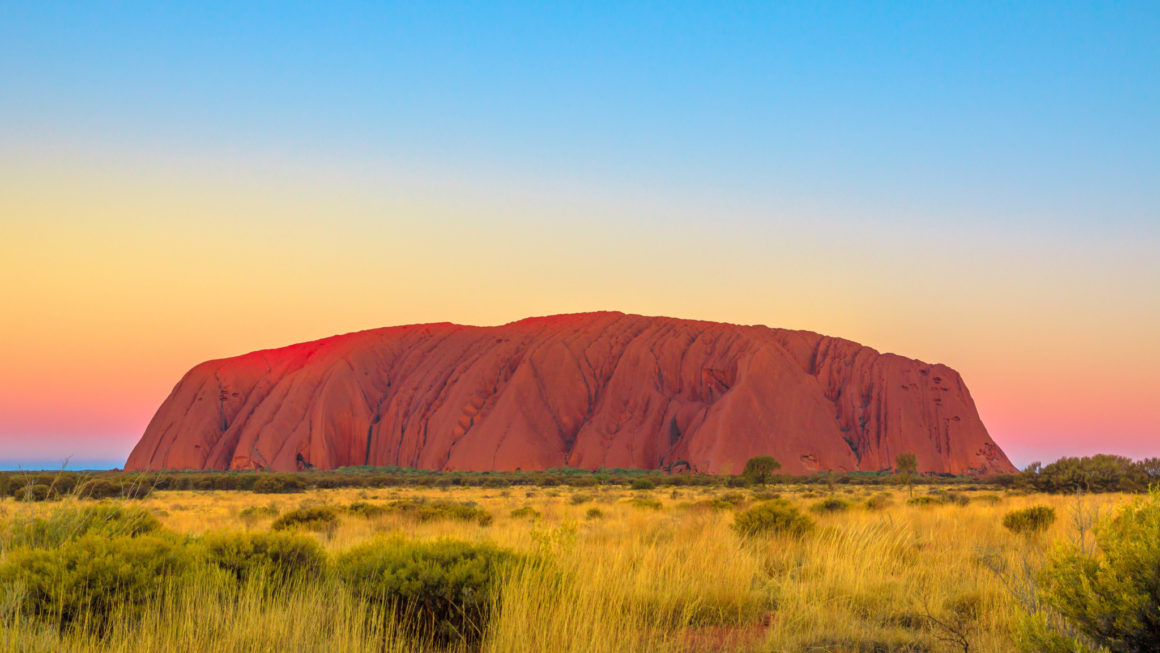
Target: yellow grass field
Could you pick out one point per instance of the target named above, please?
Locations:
(633, 578)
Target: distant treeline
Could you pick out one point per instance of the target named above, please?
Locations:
(41, 485)
(1101, 473)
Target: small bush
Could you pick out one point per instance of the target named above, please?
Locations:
(646, 503)
(100, 488)
(446, 587)
(594, 513)
(281, 556)
(708, 504)
(1110, 598)
(765, 495)
(643, 484)
(69, 522)
(319, 518)
(989, 499)
(526, 512)
(760, 469)
(366, 509)
(956, 499)
(577, 499)
(90, 579)
(33, 492)
(423, 510)
(921, 502)
(734, 499)
(251, 514)
(832, 504)
(278, 485)
(1029, 520)
(879, 501)
(777, 516)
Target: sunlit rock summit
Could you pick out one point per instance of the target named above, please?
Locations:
(591, 390)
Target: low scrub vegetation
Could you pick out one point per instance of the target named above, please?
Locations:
(76, 520)
(678, 569)
(648, 503)
(423, 510)
(281, 556)
(1029, 520)
(831, 504)
(445, 588)
(1102, 598)
(526, 512)
(94, 577)
(772, 517)
(1102, 473)
(879, 501)
(319, 518)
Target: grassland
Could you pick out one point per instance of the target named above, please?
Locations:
(609, 568)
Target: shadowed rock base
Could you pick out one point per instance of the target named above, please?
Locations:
(589, 390)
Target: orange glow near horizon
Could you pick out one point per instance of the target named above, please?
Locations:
(116, 284)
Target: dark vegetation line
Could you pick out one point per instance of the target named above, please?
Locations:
(1100, 473)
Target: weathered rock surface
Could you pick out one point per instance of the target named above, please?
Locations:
(590, 390)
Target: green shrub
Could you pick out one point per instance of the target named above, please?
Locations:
(765, 495)
(35, 492)
(955, 498)
(526, 512)
(734, 499)
(1099, 473)
(643, 484)
(1029, 520)
(423, 510)
(101, 488)
(708, 504)
(1109, 599)
(72, 521)
(921, 502)
(879, 501)
(646, 503)
(319, 518)
(989, 499)
(577, 499)
(251, 514)
(366, 509)
(777, 516)
(89, 579)
(760, 469)
(832, 504)
(280, 556)
(446, 588)
(594, 513)
(278, 484)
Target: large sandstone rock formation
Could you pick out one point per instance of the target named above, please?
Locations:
(591, 390)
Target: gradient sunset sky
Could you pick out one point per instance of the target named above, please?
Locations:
(976, 184)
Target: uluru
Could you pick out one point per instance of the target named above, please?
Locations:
(590, 390)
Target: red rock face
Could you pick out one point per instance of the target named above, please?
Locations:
(596, 390)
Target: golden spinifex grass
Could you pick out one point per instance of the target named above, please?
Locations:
(891, 576)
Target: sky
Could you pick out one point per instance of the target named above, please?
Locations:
(976, 184)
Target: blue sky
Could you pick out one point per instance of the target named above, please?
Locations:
(1037, 105)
